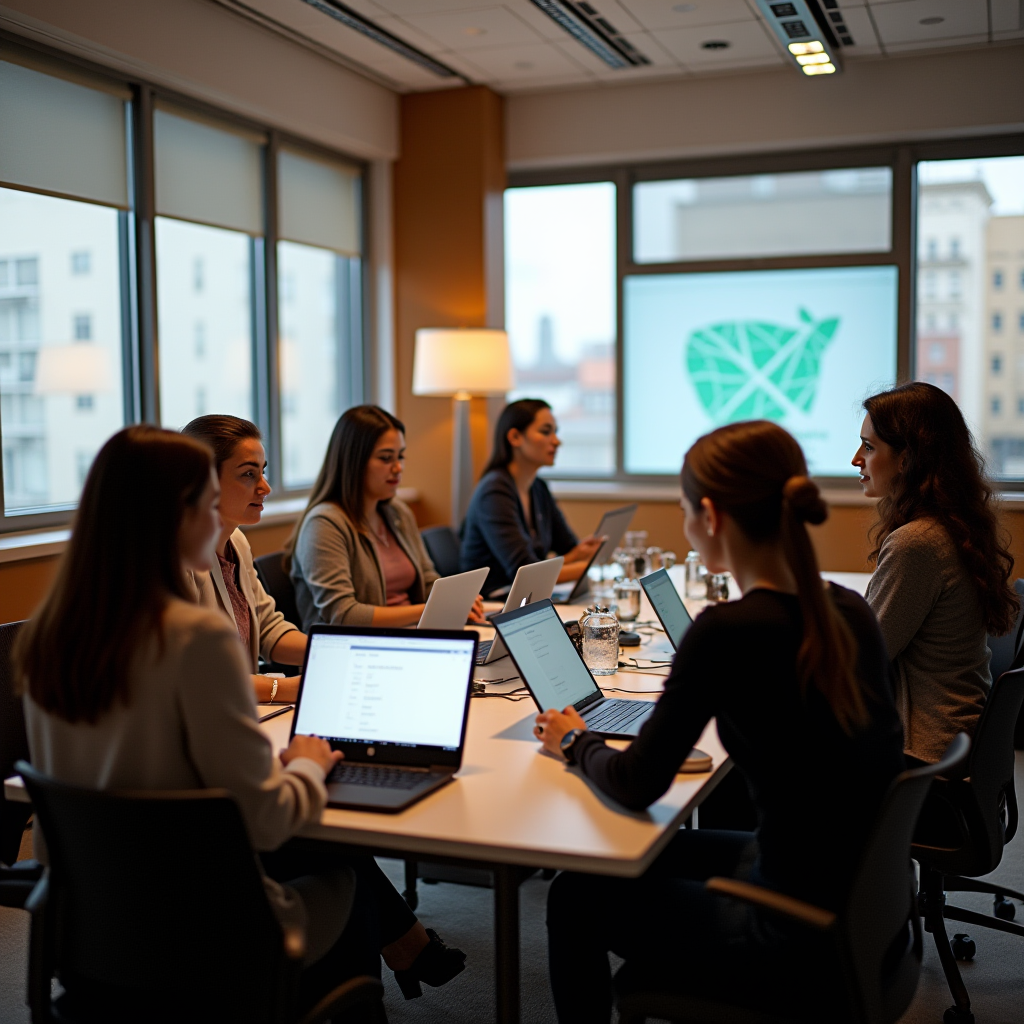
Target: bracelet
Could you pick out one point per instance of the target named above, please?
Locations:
(273, 690)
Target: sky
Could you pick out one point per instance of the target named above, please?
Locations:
(1003, 177)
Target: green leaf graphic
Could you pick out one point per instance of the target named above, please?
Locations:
(752, 369)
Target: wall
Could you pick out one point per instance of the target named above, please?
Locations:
(942, 95)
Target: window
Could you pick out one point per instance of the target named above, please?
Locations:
(997, 279)
(84, 403)
(997, 364)
(932, 250)
(937, 352)
(996, 405)
(954, 248)
(955, 285)
(997, 321)
(1020, 322)
(83, 327)
(1020, 406)
(81, 262)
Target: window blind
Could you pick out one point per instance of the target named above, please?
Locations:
(319, 202)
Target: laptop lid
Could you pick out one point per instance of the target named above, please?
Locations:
(533, 582)
(391, 696)
(612, 527)
(667, 605)
(545, 657)
(451, 599)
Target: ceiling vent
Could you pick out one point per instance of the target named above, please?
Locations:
(585, 24)
(805, 33)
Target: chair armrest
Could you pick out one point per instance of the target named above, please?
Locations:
(337, 1005)
(21, 871)
(774, 902)
(40, 946)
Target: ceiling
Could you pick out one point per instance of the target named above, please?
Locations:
(512, 46)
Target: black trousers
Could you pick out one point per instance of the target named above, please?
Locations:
(666, 920)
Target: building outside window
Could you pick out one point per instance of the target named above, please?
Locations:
(81, 262)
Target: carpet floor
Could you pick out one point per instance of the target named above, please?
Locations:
(462, 915)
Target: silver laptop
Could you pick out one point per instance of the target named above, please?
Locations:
(533, 582)
(395, 702)
(612, 527)
(667, 605)
(451, 599)
(556, 676)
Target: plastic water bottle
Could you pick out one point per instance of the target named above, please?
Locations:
(601, 642)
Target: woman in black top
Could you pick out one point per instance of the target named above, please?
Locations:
(797, 677)
(512, 518)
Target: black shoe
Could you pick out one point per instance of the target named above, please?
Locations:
(436, 965)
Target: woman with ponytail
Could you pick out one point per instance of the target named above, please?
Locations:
(942, 573)
(796, 676)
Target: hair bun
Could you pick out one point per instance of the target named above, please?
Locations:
(805, 500)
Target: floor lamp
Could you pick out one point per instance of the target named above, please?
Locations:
(461, 362)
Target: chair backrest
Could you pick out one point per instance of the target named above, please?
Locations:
(158, 895)
(442, 544)
(278, 584)
(13, 739)
(1008, 651)
(879, 926)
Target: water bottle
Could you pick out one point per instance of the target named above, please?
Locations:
(601, 641)
(696, 577)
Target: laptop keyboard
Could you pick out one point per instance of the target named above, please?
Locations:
(482, 650)
(616, 714)
(372, 775)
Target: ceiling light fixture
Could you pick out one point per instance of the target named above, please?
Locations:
(586, 25)
(715, 44)
(932, 21)
(805, 33)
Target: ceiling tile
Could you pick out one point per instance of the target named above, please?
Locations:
(1007, 15)
(900, 22)
(411, 34)
(417, 7)
(749, 44)
(471, 30)
(615, 12)
(533, 61)
(674, 14)
(858, 21)
(976, 40)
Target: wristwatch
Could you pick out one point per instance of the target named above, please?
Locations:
(568, 744)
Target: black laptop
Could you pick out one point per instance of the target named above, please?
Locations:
(612, 527)
(556, 676)
(667, 605)
(395, 701)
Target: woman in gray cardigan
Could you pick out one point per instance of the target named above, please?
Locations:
(942, 576)
(356, 556)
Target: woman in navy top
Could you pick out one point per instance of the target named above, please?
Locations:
(512, 518)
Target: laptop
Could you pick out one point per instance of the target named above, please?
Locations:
(533, 582)
(667, 605)
(395, 701)
(451, 599)
(556, 675)
(612, 527)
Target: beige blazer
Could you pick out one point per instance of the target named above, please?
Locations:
(337, 575)
(266, 624)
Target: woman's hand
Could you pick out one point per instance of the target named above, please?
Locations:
(315, 749)
(585, 550)
(552, 726)
(476, 613)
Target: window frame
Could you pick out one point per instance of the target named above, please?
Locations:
(137, 249)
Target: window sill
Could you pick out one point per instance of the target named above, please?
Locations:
(612, 490)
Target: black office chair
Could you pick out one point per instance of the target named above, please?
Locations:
(442, 544)
(961, 837)
(278, 584)
(17, 878)
(876, 937)
(153, 908)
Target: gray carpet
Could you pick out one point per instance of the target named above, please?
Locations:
(462, 915)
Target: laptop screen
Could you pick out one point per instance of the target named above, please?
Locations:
(546, 658)
(664, 597)
(405, 691)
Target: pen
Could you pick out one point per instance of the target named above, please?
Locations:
(279, 711)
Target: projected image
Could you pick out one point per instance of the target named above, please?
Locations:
(800, 347)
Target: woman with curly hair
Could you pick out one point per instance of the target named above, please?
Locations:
(942, 571)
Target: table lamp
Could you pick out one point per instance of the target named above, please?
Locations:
(461, 362)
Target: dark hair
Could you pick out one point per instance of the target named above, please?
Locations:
(941, 475)
(120, 566)
(222, 434)
(755, 472)
(516, 415)
(341, 476)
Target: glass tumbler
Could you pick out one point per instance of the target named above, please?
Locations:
(601, 642)
(627, 596)
(696, 577)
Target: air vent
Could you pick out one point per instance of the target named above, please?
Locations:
(587, 26)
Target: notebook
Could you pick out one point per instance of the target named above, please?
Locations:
(612, 527)
(533, 582)
(667, 605)
(395, 702)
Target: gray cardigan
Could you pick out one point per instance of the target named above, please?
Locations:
(932, 622)
(337, 575)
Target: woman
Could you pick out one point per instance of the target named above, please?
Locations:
(512, 518)
(232, 585)
(131, 685)
(796, 676)
(356, 556)
(942, 573)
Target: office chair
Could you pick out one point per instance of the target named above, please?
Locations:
(278, 584)
(876, 936)
(961, 836)
(17, 878)
(442, 544)
(153, 908)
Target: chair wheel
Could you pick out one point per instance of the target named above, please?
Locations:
(954, 1015)
(412, 899)
(963, 949)
(1004, 909)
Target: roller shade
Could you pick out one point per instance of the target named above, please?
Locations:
(207, 173)
(319, 202)
(63, 137)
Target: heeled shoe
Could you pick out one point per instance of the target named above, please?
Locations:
(436, 965)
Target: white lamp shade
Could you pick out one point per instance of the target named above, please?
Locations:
(449, 360)
(73, 370)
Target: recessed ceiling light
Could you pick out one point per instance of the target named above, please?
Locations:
(715, 44)
(684, 8)
(932, 21)
(474, 31)
(524, 65)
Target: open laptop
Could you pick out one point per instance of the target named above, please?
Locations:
(395, 701)
(612, 527)
(451, 599)
(556, 676)
(533, 582)
(667, 605)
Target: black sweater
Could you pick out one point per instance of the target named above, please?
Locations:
(817, 791)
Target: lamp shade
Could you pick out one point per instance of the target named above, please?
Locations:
(73, 370)
(451, 360)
